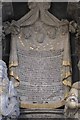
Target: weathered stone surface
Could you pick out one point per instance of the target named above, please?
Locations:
(40, 57)
(9, 104)
(40, 64)
(0, 31)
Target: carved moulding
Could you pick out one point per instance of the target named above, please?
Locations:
(41, 47)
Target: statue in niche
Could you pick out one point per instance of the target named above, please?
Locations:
(40, 61)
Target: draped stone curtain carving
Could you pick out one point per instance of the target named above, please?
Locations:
(39, 11)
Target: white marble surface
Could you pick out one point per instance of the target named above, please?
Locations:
(9, 105)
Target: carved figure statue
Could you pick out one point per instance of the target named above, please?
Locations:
(9, 106)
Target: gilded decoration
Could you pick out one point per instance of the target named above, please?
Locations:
(40, 58)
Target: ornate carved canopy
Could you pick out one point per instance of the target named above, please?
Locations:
(40, 63)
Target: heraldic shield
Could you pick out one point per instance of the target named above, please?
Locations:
(40, 62)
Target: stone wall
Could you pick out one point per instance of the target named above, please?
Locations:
(0, 31)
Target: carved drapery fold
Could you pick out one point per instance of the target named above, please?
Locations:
(13, 63)
(9, 103)
(39, 11)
